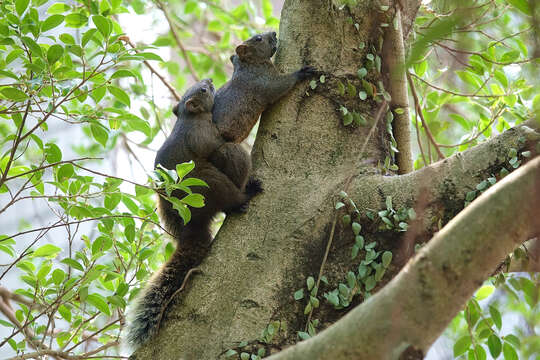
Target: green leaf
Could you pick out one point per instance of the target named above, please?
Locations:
(298, 295)
(51, 22)
(58, 8)
(100, 134)
(495, 316)
(65, 312)
(13, 94)
(351, 89)
(310, 281)
(194, 200)
(32, 46)
(193, 182)
(58, 275)
(21, 5)
(149, 56)
(308, 308)
(339, 205)
(509, 352)
(122, 73)
(370, 283)
(354, 251)
(119, 94)
(484, 292)
(99, 303)
(67, 39)
(494, 345)
(512, 339)
(386, 258)
(73, 263)
(230, 353)
(182, 209)
(347, 119)
(47, 251)
(362, 95)
(54, 53)
(351, 279)
(462, 345)
(510, 56)
(521, 5)
(65, 172)
(184, 168)
(88, 36)
(361, 72)
(76, 20)
(420, 68)
(359, 241)
(102, 25)
(480, 352)
(52, 153)
(368, 87)
(356, 227)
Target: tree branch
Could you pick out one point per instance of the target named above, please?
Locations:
(445, 183)
(396, 83)
(417, 305)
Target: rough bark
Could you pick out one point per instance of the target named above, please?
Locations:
(304, 156)
(417, 305)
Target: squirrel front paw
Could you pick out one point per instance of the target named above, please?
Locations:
(306, 72)
(254, 187)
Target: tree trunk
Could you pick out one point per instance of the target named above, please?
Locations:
(305, 156)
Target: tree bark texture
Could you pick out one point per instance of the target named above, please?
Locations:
(417, 305)
(305, 156)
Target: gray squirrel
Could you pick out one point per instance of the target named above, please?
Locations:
(225, 168)
(255, 84)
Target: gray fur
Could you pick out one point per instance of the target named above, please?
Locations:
(255, 84)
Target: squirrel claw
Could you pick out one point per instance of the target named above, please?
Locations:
(240, 209)
(254, 187)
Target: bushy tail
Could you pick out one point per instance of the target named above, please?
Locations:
(150, 305)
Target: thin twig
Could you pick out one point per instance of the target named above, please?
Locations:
(162, 7)
(83, 221)
(449, 49)
(455, 93)
(166, 305)
(424, 123)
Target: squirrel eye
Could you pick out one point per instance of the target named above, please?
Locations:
(258, 38)
(203, 90)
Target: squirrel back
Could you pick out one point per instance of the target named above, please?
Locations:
(255, 84)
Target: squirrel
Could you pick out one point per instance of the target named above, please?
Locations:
(194, 137)
(255, 84)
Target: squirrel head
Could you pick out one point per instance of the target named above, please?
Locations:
(258, 48)
(198, 99)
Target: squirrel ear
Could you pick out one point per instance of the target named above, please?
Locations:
(242, 51)
(175, 109)
(193, 106)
